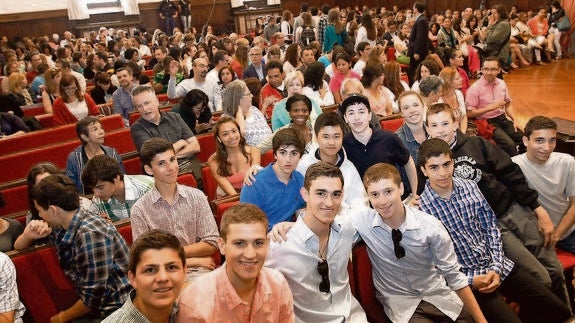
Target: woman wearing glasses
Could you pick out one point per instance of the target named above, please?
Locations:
(72, 105)
(237, 104)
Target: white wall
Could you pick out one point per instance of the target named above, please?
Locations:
(11, 6)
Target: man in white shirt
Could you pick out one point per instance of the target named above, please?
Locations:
(200, 68)
(221, 59)
(363, 50)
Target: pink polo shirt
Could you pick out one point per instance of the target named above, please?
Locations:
(482, 93)
(212, 298)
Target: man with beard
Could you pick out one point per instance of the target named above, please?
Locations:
(200, 68)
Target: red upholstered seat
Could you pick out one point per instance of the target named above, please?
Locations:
(209, 182)
(16, 199)
(365, 290)
(567, 259)
(391, 124)
(42, 285)
(207, 145)
(187, 179)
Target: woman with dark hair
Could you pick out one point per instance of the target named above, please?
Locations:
(233, 158)
(466, 46)
(393, 81)
(299, 108)
(291, 58)
(498, 33)
(195, 111)
(91, 133)
(240, 60)
(378, 95)
(103, 88)
(427, 67)
(367, 32)
(225, 76)
(557, 13)
(454, 58)
(433, 31)
(315, 86)
(343, 65)
(72, 105)
(446, 36)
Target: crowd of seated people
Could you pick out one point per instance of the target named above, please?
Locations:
(310, 87)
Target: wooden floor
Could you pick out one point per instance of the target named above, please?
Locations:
(543, 90)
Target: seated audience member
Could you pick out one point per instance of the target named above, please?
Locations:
(166, 125)
(380, 97)
(114, 192)
(176, 208)
(200, 68)
(552, 175)
(51, 90)
(11, 308)
(195, 111)
(103, 88)
(92, 253)
(318, 247)
(11, 125)
(363, 49)
(275, 89)
(430, 89)
(225, 76)
(64, 64)
(415, 269)
(237, 104)
(260, 291)
(294, 84)
(488, 99)
(351, 87)
(122, 97)
(156, 271)
(299, 109)
(453, 96)
(366, 146)
(525, 225)
(329, 129)
(17, 89)
(478, 244)
(412, 133)
(10, 229)
(256, 67)
(233, 159)
(316, 88)
(39, 81)
(92, 135)
(454, 58)
(276, 187)
(426, 68)
(343, 63)
(72, 105)
(162, 78)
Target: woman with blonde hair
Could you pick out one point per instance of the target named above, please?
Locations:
(51, 90)
(72, 105)
(294, 83)
(233, 158)
(237, 103)
(17, 84)
(453, 96)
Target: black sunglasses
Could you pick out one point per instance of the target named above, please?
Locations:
(323, 270)
(396, 237)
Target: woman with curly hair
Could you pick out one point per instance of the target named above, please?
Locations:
(427, 67)
(315, 86)
(233, 158)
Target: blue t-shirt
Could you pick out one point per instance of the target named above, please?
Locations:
(278, 200)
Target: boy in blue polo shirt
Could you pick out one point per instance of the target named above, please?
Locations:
(276, 189)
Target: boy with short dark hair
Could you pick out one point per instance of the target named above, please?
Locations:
(114, 192)
(157, 273)
(526, 227)
(176, 208)
(276, 187)
(318, 247)
(241, 280)
(460, 206)
(92, 253)
(552, 175)
(329, 131)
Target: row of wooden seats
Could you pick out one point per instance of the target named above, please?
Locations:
(44, 137)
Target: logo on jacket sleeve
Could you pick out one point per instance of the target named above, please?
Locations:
(465, 167)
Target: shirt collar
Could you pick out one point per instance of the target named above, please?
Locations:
(73, 227)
